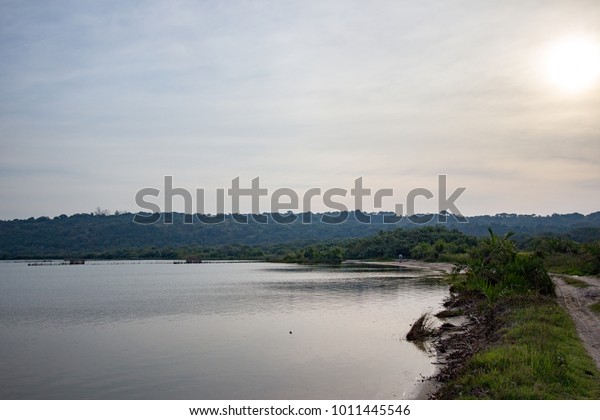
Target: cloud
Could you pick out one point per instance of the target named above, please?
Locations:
(305, 94)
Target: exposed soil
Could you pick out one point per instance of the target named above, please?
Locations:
(421, 329)
(458, 342)
(576, 300)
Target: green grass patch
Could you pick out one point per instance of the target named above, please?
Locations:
(455, 258)
(595, 307)
(574, 282)
(569, 263)
(537, 355)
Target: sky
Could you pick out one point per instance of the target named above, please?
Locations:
(101, 99)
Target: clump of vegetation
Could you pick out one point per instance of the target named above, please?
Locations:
(421, 330)
(429, 243)
(497, 270)
(426, 243)
(595, 307)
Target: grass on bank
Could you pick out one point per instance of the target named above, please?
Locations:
(574, 282)
(578, 264)
(530, 345)
(537, 355)
(595, 307)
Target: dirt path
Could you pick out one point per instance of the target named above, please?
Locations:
(576, 298)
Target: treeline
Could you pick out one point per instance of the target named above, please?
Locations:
(117, 236)
(564, 255)
(427, 243)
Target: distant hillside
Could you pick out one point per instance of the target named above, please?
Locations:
(85, 234)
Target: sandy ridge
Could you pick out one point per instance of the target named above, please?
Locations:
(576, 301)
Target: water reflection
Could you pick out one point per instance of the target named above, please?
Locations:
(210, 331)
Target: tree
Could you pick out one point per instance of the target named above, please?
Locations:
(101, 212)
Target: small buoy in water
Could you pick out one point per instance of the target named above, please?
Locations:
(290, 332)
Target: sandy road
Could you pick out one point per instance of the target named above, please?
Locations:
(576, 301)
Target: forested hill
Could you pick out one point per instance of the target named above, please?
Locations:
(83, 234)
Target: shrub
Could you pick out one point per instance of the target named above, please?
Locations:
(497, 270)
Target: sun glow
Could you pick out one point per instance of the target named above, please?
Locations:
(573, 64)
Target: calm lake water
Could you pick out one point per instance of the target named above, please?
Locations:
(211, 331)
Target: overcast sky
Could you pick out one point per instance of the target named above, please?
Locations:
(100, 99)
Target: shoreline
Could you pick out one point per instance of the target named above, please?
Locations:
(410, 264)
(527, 347)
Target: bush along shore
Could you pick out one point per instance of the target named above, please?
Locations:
(516, 342)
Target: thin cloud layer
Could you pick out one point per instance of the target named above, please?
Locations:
(99, 100)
